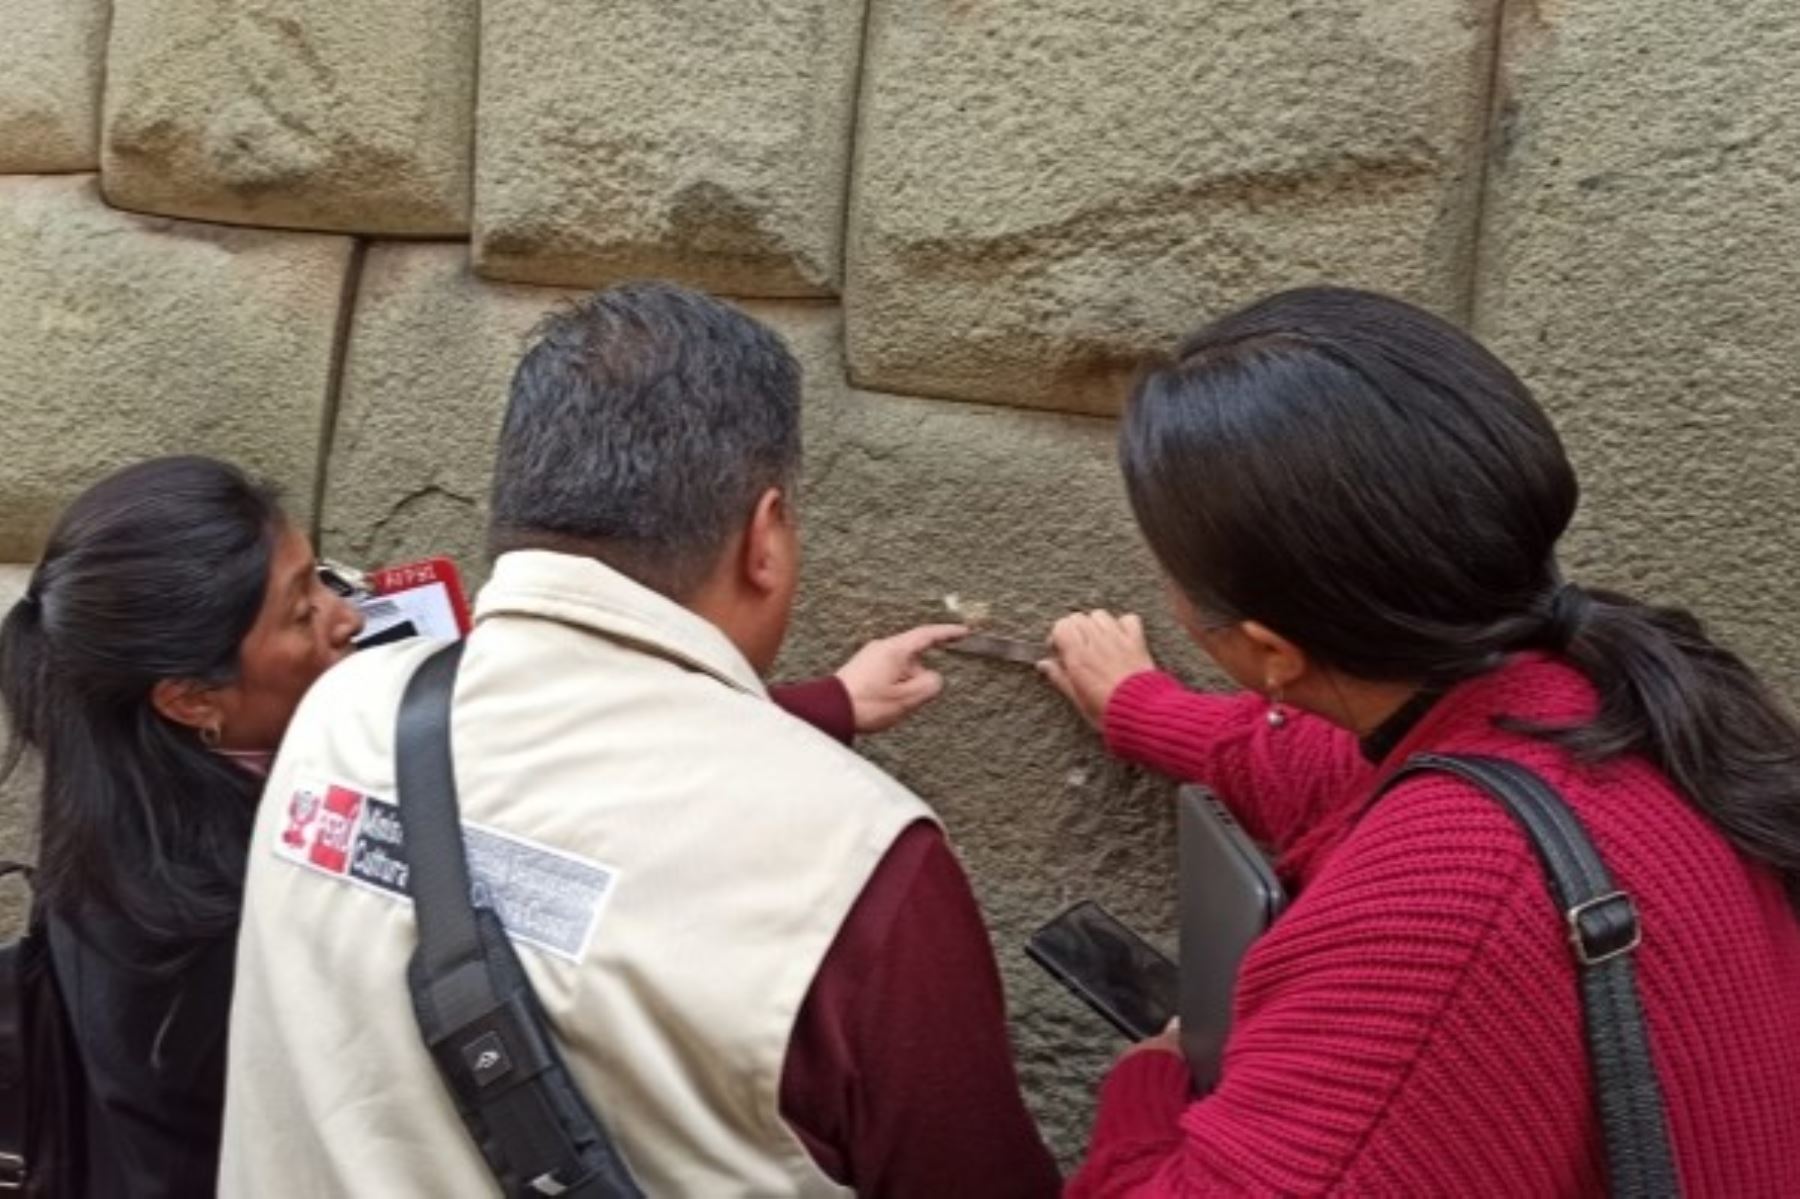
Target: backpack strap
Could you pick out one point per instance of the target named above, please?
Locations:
(1603, 933)
(487, 1032)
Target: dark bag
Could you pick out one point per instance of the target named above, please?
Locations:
(474, 1003)
(1603, 931)
(43, 1091)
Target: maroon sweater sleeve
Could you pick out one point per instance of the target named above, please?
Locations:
(899, 1079)
(1278, 780)
(1137, 1127)
(823, 703)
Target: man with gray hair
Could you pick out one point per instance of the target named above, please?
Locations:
(762, 961)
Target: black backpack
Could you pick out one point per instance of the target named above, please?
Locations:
(43, 1094)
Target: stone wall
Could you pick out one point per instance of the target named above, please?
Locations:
(956, 212)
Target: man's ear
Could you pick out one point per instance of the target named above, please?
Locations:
(1280, 664)
(188, 702)
(769, 542)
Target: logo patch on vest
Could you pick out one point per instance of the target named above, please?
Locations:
(545, 897)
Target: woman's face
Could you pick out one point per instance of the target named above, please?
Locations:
(304, 629)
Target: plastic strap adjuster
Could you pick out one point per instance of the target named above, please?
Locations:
(1604, 927)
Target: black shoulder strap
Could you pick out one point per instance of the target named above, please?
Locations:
(437, 864)
(487, 1032)
(1603, 931)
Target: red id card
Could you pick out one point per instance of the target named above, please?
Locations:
(415, 599)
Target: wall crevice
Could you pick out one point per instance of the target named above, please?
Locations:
(1486, 147)
(334, 382)
(853, 131)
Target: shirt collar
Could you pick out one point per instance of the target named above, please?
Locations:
(590, 595)
(1387, 735)
(251, 761)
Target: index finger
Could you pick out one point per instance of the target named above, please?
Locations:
(914, 642)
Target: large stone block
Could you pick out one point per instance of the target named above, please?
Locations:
(430, 355)
(311, 114)
(51, 61)
(1046, 189)
(1641, 269)
(124, 337)
(904, 502)
(696, 141)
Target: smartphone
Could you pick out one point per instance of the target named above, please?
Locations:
(1229, 897)
(1109, 967)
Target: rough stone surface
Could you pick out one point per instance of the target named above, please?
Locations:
(1046, 189)
(1042, 191)
(702, 142)
(50, 65)
(431, 352)
(18, 793)
(904, 502)
(124, 337)
(1641, 269)
(311, 114)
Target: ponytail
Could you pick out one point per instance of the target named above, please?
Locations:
(156, 572)
(22, 670)
(1672, 695)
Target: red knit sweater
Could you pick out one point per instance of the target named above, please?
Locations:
(1411, 1025)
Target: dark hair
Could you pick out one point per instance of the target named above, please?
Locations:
(1368, 481)
(156, 572)
(644, 423)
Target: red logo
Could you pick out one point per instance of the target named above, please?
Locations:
(331, 847)
(303, 809)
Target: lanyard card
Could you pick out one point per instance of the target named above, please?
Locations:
(415, 599)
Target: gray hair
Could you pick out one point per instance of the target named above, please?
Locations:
(643, 424)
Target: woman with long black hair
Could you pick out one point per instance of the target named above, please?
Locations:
(1357, 508)
(163, 643)
(164, 640)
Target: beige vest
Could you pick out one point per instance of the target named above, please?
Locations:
(672, 853)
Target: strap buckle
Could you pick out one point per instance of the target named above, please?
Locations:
(1604, 927)
(13, 1173)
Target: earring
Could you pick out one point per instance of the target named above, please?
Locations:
(209, 736)
(1275, 716)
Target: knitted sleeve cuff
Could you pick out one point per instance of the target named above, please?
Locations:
(1142, 1099)
(1142, 722)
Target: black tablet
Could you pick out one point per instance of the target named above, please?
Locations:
(1229, 896)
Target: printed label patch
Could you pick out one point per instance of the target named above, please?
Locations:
(545, 897)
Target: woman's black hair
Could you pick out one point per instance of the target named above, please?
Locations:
(156, 572)
(1368, 481)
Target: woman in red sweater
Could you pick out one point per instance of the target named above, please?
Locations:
(1357, 508)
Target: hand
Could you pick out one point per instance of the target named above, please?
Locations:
(1091, 653)
(887, 682)
(1166, 1041)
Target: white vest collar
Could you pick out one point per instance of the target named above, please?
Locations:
(588, 594)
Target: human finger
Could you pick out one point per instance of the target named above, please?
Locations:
(1069, 632)
(914, 642)
(919, 688)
